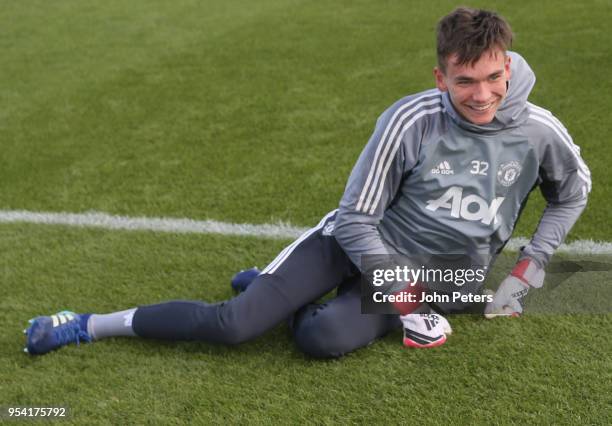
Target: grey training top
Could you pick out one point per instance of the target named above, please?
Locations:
(428, 181)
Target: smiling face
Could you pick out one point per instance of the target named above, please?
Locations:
(476, 89)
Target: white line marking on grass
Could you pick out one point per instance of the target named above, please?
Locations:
(181, 226)
(189, 226)
(575, 247)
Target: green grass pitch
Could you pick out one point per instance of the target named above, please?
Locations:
(255, 112)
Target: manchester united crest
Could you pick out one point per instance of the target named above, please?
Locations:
(508, 173)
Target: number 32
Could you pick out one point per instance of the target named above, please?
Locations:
(479, 168)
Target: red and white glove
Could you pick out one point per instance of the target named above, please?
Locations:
(508, 299)
(425, 330)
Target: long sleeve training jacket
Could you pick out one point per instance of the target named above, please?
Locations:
(429, 181)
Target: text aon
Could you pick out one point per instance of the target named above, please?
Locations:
(471, 207)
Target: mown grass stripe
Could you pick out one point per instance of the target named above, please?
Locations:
(190, 226)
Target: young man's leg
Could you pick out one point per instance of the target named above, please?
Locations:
(337, 327)
(307, 269)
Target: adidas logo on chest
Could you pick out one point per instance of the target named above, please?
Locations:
(443, 168)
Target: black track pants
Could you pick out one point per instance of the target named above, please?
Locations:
(307, 269)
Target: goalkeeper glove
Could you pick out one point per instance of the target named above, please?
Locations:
(425, 330)
(508, 299)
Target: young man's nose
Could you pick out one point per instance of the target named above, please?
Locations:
(481, 93)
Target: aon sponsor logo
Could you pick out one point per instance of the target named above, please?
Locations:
(471, 207)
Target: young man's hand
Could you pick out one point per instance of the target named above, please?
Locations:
(508, 300)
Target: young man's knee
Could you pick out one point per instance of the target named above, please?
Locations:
(322, 337)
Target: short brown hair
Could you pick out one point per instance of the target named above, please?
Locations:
(469, 33)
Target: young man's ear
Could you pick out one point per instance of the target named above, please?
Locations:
(507, 67)
(439, 76)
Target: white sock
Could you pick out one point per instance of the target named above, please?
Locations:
(111, 325)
